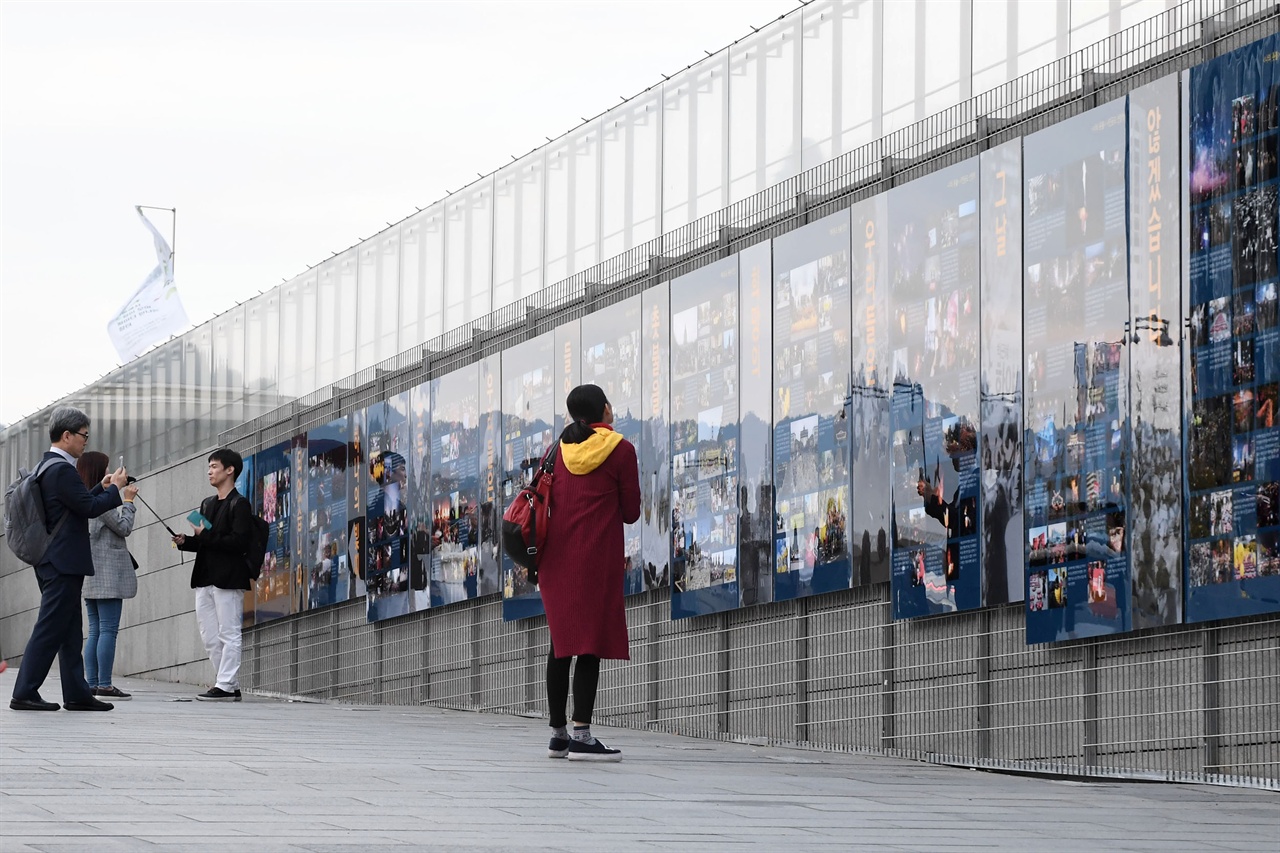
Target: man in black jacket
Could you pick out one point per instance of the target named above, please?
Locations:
(63, 568)
(220, 575)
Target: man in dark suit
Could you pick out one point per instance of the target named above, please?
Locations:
(62, 570)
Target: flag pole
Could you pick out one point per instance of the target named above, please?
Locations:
(173, 231)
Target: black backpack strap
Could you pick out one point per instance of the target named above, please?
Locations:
(45, 465)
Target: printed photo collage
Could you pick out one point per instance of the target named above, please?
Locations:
(386, 473)
(273, 591)
(328, 576)
(704, 437)
(812, 317)
(1233, 446)
(528, 406)
(455, 486)
(1078, 578)
(933, 230)
(611, 350)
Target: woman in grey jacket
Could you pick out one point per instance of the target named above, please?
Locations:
(113, 580)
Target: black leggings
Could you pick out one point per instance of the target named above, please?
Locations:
(586, 676)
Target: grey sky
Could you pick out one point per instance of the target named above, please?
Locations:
(282, 132)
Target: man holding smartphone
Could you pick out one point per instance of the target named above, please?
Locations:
(220, 575)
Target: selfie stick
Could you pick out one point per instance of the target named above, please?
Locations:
(156, 514)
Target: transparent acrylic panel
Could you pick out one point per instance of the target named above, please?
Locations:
(468, 232)
(990, 49)
(263, 353)
(1075, 301)
(386, 440)
(491, 503)
(871, 507)
(584, 197)
(348, 292)
(420, 509)
(811, 350)
(557, 229)
(324, 562)
(197, 378)
(455, 486)
(412, 281)
(378, 309)
(274, 504)
(935, 330)
(821, 68)
(942, 45)
(433, 272)
(528, 406)
(764, 109)
(356, 499)
(857, 51)
(630, 152)
(568, 367)
(506, 233)
(755, 440)
(611, 358)
(655, 449)
(1155, 291)
(704, 440)
(1002, 359)
(695, 142)
(368, 305)
(900, 57)
(1233, 372)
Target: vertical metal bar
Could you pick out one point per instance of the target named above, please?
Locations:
(723, 663)
(335, 651)
(654, 672)
(530, 667)
(984, 684)
(379, 653)
(1089, 688)
(888, 680)
(477, 655)
(801, 664)
(1212, 700)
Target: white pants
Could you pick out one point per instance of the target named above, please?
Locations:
(219, 613)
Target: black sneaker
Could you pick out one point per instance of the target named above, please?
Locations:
(112, 693)
(592, 750)
(217, 694)
(558, 748)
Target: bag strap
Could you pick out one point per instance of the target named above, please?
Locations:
(45, 465)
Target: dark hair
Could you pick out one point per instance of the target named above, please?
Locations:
(66, 419)
(92, 467)
(586, 406)
(227, 458)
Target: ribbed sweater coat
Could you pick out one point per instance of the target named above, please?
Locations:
(580, 572)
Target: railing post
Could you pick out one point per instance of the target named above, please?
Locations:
(1089, 689)
(722, 673)
(1212, 700)
(801, 646)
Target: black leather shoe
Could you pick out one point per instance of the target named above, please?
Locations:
(90, 704)
(32, 705)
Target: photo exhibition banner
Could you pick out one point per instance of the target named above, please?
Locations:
(1001, 391)
(871, 504)
(355, 502)
(755, 430)
(611, 351)
(491, 505)
(420, 516)
(704, 440)
(933, 267)
(273, 502)
(328, 579)
(1155, 364)
(1075, 308)
(528, 411)
(1233, 441)
(655, 446)
(386, 473)
(811, 350)
(455, 486)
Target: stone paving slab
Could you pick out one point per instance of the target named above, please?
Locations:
(162, 773)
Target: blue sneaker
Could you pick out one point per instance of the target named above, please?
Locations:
(592, 750)
(558, 748)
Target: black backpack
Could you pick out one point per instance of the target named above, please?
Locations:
(259, 534)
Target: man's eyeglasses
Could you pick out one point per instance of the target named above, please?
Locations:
(83, 435)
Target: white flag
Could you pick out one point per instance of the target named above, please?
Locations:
(154, 311)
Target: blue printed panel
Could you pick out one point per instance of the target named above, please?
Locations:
(1076, 303)
(1233, 441)
(455, 486)
(704, 440)
(933, 264)
(386, 479)
(528, 410)
(811, 408)
(328, 577)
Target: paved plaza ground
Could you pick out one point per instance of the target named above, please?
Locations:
(162, 772)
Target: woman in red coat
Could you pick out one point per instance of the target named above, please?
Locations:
(580, 571)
